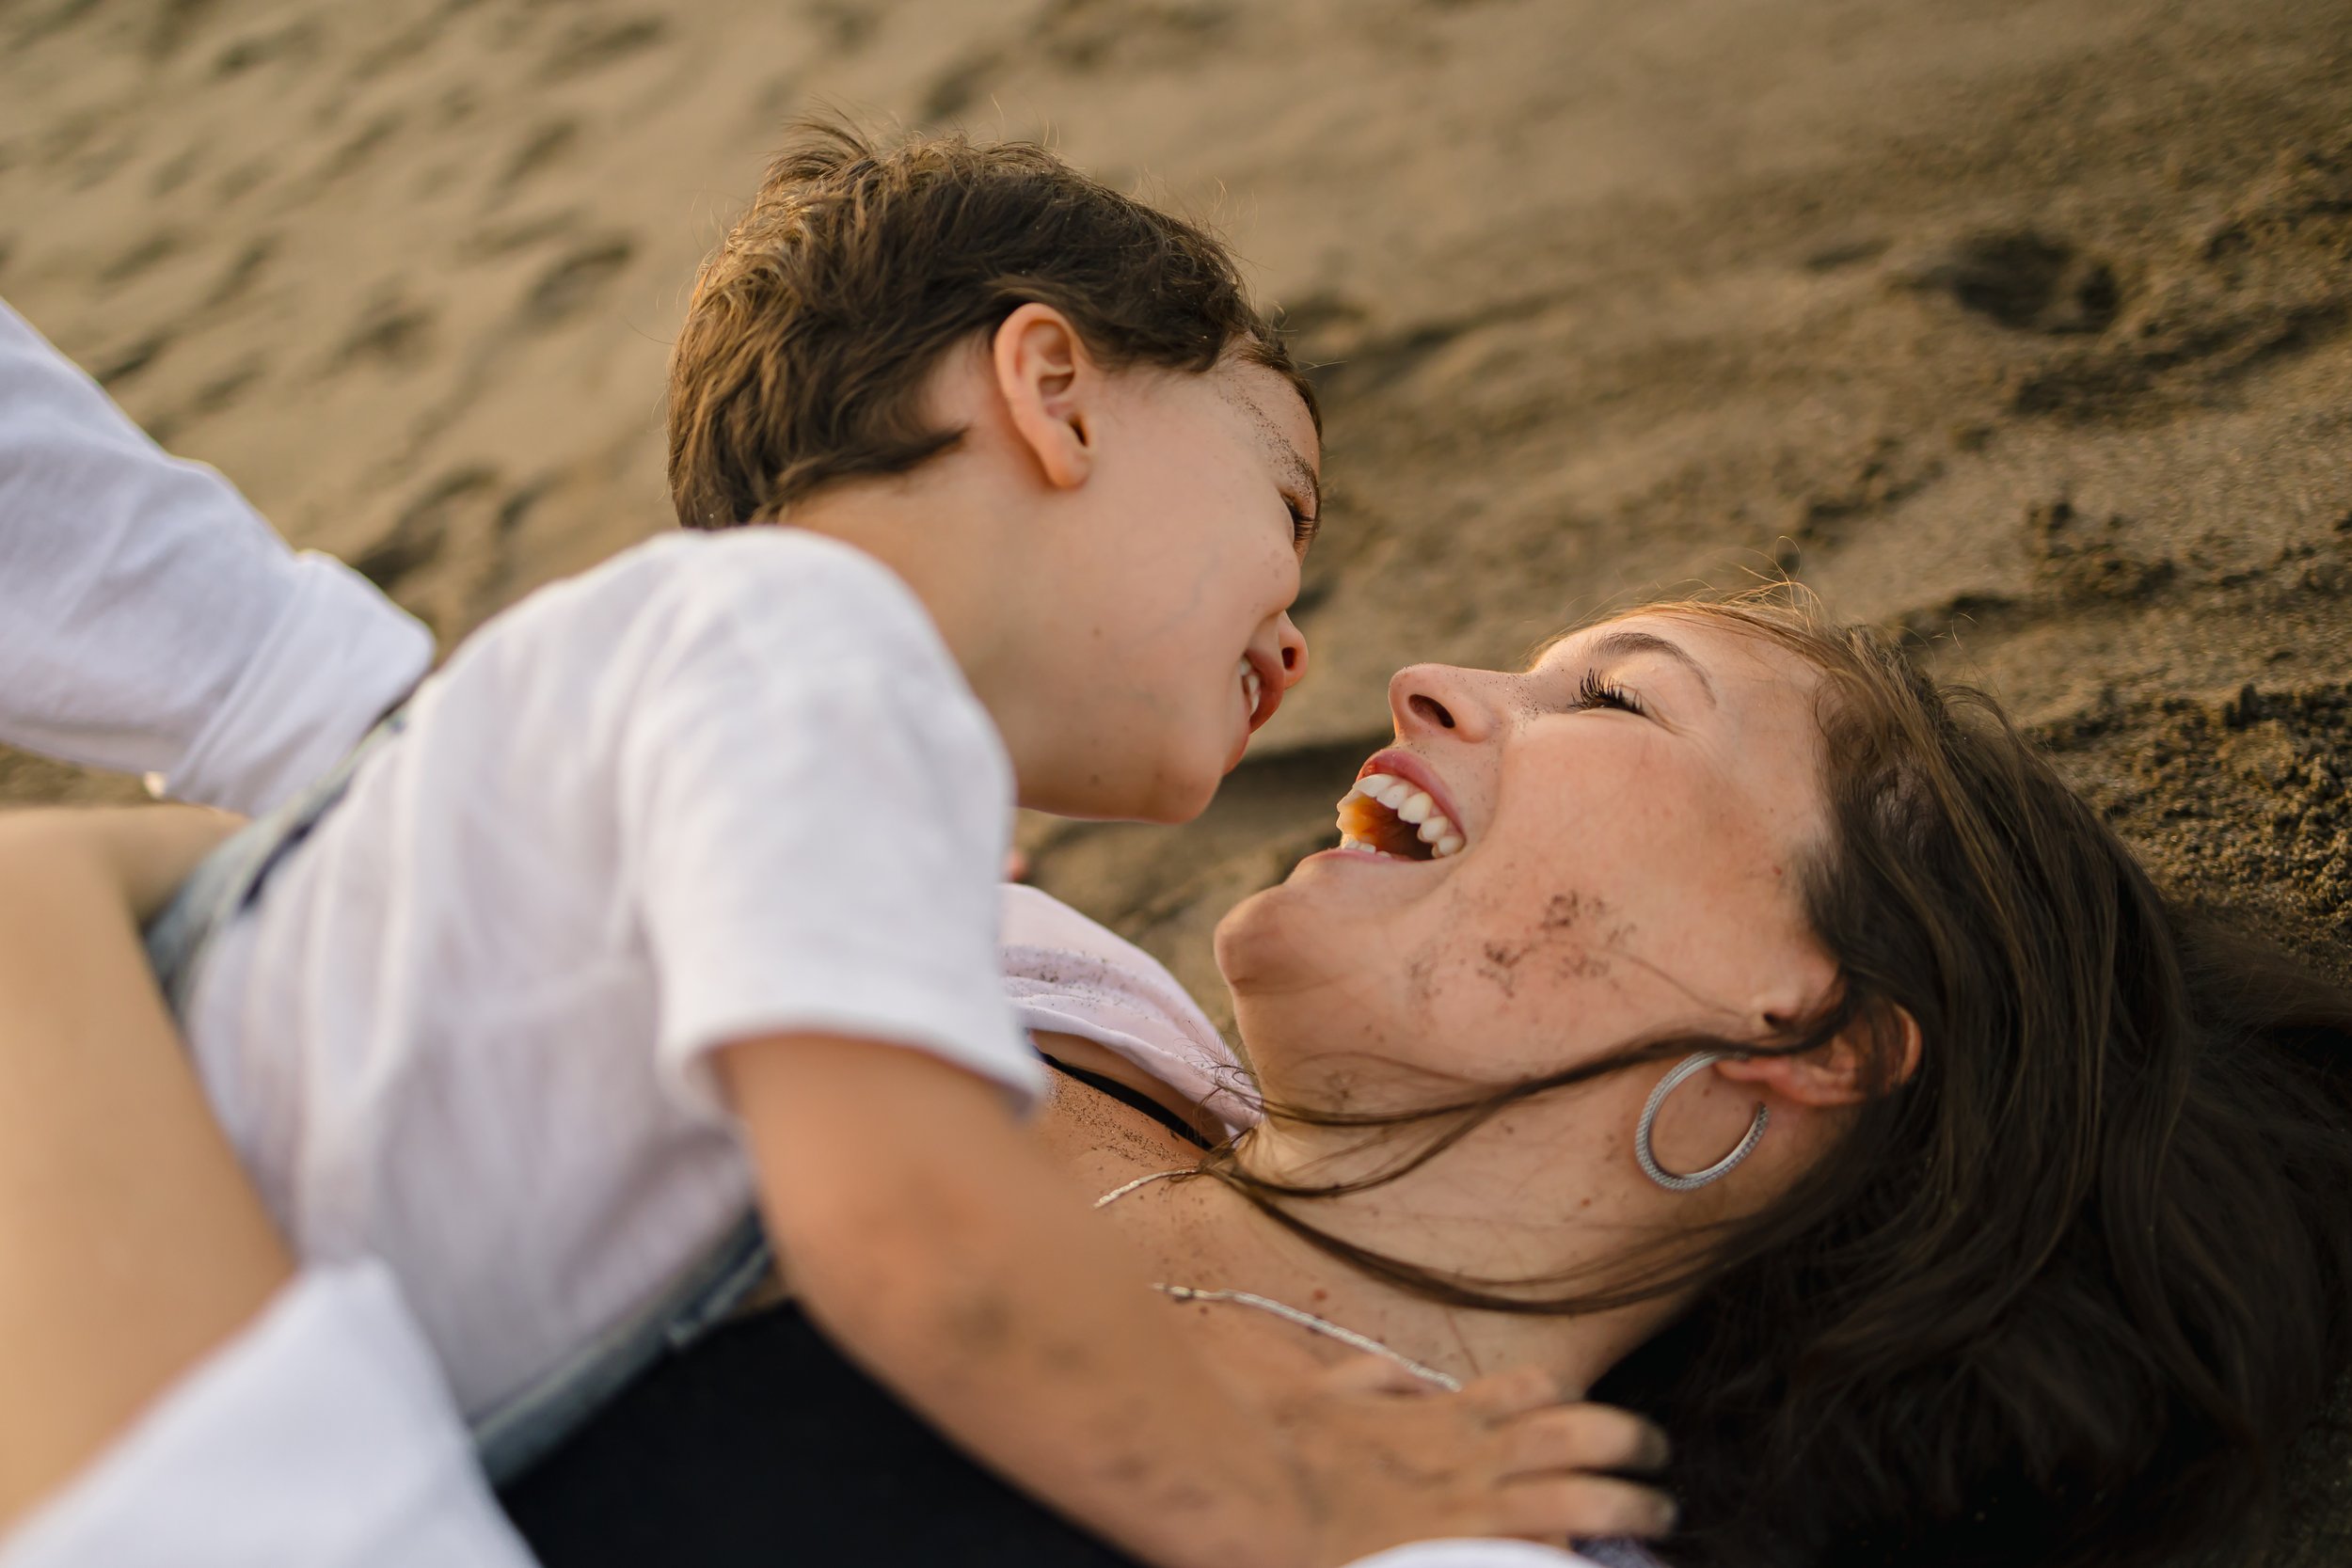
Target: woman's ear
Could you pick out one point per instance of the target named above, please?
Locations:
(1879, 1050)
(1048, 384)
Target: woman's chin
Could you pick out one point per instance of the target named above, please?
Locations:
(1254, 942)
(1281, 940)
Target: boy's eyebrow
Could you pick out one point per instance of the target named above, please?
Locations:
(1302, 473)
(1623, 644)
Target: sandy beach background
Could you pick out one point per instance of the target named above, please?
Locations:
(2019, 323)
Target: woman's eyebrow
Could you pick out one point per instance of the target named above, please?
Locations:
(1625, 643)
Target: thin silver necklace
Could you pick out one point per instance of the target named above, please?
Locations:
(1307, 1321)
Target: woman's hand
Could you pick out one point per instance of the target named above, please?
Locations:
(1388, 1462)
(131, 1242)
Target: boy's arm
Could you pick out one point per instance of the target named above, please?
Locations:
(936, 1244)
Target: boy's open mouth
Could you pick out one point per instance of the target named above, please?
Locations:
(1388, 817)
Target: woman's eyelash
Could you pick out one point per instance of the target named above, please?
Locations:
(1594, 692)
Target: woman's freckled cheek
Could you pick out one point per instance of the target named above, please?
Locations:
(1518, 954)
(1447, 972)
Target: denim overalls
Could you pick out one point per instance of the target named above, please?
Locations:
(511, 1437)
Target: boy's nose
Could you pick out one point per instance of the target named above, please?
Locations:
(1292, 644)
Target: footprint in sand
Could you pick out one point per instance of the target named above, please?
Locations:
(2028, 282)
(2086, 562)
(159, 246)
(451, 556)
(1087, 38)
(115, 370)
(416, 538)
(392, 332)
(543, 147)
(573, 283)
(588, 46)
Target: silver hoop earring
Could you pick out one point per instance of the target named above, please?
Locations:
(1688, 1067)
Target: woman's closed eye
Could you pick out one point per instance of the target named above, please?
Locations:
(1592, 691)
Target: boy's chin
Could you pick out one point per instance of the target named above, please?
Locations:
(1176, 805)
(1164, 797)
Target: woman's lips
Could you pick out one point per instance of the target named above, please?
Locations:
(1405, 765)
(1397, 808)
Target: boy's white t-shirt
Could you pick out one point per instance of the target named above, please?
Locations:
(720, 787)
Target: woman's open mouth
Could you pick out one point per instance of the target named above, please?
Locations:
(1386, 816)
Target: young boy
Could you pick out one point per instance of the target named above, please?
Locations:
(642, 880)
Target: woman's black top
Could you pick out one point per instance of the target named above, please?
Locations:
(760, 1444)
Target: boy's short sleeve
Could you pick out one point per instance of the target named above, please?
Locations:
(815, 809)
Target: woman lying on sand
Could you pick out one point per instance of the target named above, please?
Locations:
(1786, 1055)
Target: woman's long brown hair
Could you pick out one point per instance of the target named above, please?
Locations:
(2061, 1297)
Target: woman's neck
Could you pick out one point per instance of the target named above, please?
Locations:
(1446, 1218)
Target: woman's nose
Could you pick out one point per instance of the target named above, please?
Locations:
(1434, 699)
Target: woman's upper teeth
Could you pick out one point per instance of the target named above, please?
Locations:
(1250, 684)
(1412, 806)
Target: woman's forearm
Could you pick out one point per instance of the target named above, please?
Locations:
(138, 854)
(131, 1242)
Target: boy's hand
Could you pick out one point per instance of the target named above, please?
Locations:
(1387, 1462)
(938, 1246)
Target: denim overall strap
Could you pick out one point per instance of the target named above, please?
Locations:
(525, 1426)
(230, 877)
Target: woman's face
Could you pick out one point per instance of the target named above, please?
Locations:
(1633, 813)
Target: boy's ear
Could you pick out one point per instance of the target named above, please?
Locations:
(1048, 384)
(1876, 1051)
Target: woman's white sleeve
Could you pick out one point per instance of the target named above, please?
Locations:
(150, 622)
(1469, 1553)
(322, 1436)
(1065, 973)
